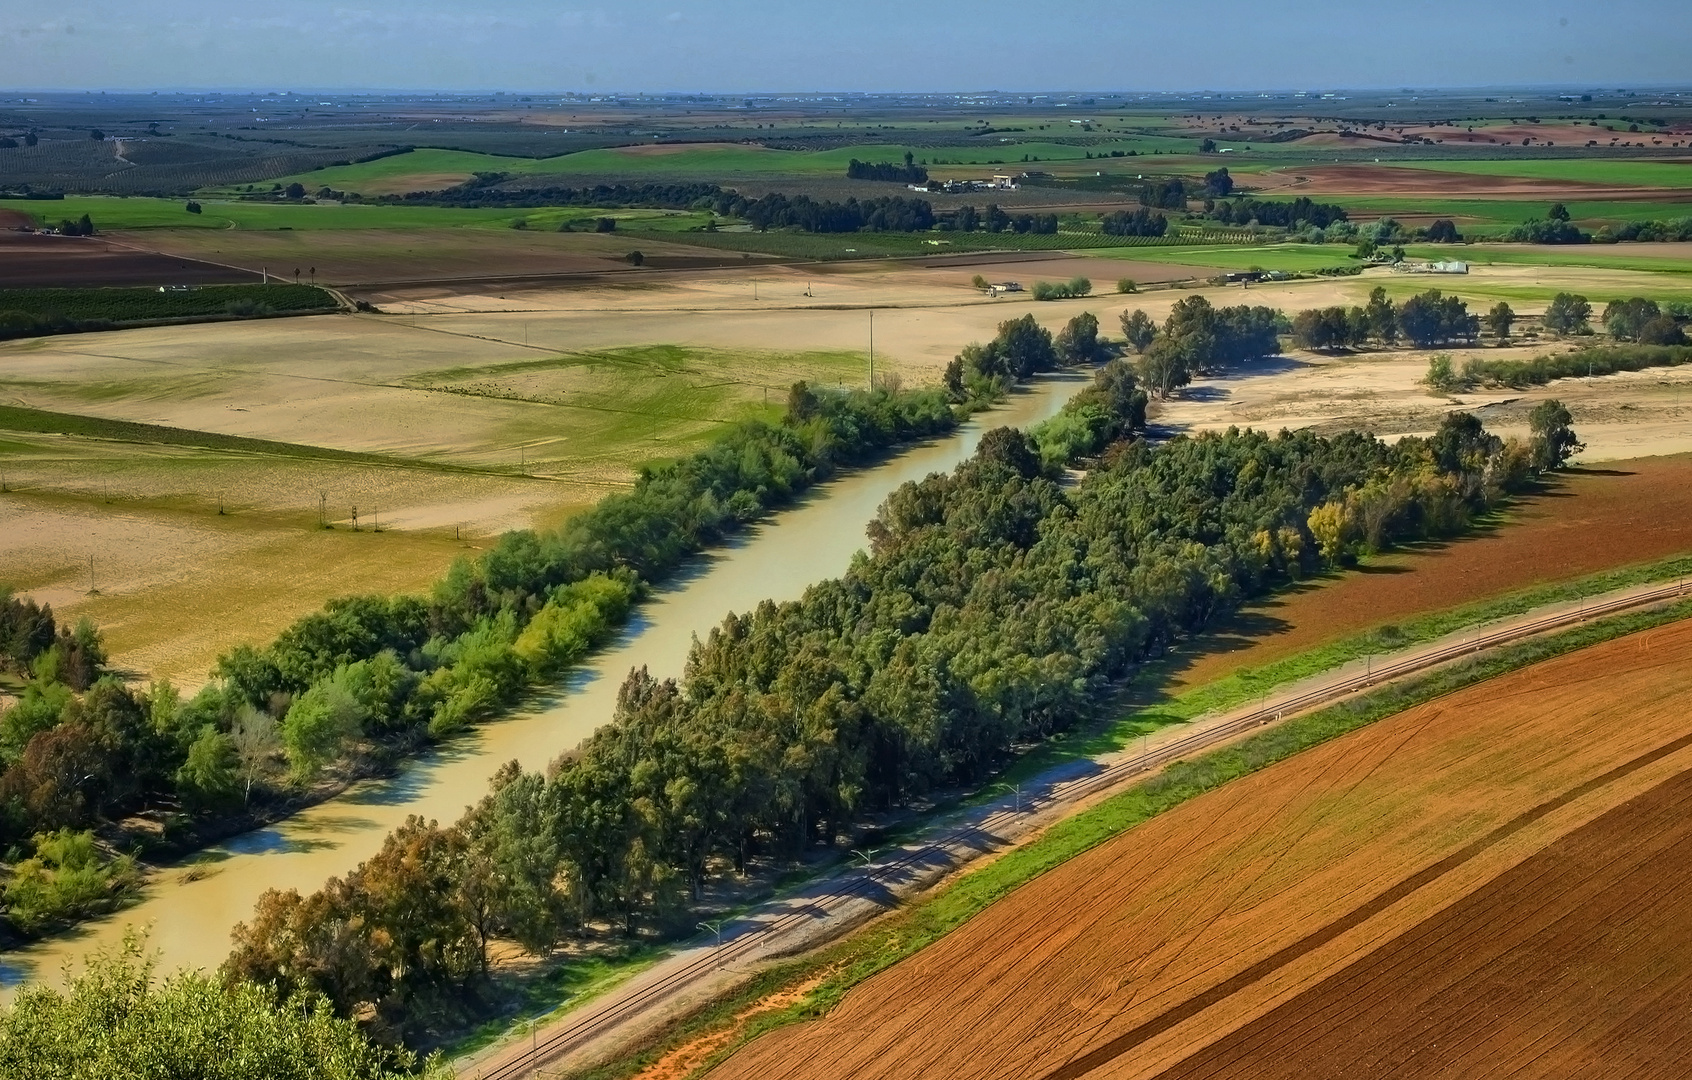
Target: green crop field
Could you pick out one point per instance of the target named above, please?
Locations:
(1663, 174)
(1297, 258)
(1604, 256)
(1506, 212)
(138, 305)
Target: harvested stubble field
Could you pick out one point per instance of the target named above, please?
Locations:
(1357, 857)
(1590, 520)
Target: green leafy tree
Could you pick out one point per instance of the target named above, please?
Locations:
(116, 1019)
(318, 727)
(1553, 436)
(211, 774)
(1165, 367)
(1568, 313)
(1078, 342)
(1139, 329)
(1499, 320)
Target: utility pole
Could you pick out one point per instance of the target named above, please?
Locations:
(872, 350)
(91, 587)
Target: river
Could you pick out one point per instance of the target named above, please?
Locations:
(189, 917)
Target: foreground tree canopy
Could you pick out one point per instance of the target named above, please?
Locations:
(116, 1020)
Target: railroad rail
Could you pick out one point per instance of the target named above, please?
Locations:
(877, 875)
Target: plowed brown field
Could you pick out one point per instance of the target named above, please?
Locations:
(1595, 519)
(1516, 972)
(1131, 959)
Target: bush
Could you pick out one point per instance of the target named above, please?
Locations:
(1127, 286)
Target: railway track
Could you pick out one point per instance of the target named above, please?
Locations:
(759, 935)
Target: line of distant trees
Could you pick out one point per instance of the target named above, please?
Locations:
(484, 189)
(908, 173)
(1297, 214)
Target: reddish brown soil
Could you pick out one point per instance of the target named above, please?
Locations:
(30, 260)
(1134, 956)
(1398, 180)
(1577, 962)
(13, 219)
(1594, 519)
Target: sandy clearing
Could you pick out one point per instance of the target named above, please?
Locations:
(1593, 519)
(1627, 415)
(1176, 932)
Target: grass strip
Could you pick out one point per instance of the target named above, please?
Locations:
(42, 421)
(844, 965)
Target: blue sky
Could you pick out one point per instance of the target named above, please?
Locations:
(742, 45)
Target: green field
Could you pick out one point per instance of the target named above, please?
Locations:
(1294, 258)
(1663, 174)
(1605, 256)
(1502, 213)
(138, 305)
(112, 212)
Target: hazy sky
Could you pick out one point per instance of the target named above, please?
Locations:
(739, 45)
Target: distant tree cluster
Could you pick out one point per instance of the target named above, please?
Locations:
(1218, 184)
(777, 211)
(1426, 320)
(1554, 228)
(485, 189)
(908, 173)
(1164, 194)
(1296, 214)
(995, 220)
(1141, 222)
(1675, 230)
(1198, 337)
(1642, 321)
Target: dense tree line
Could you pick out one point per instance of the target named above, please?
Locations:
(1426, 320)
(1198, 337)
(908, 173)
(893, 213)
(486, 189)
(1641, 320)
(1141, 222)
(1675, 230)
(1297, 214)
(1554, 228)
(1164, 194)
(995, 220)
(995, 608)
